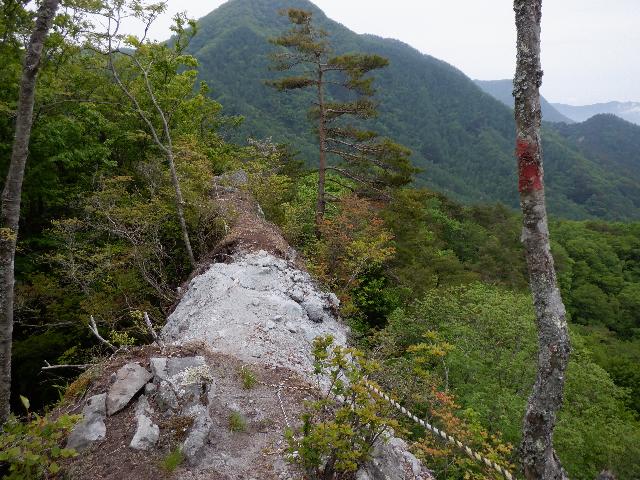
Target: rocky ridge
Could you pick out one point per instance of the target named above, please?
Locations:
(254, 317)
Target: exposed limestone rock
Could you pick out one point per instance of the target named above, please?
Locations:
(147, 434)
(92, 426)
(166, 398)
(130, 379)
(227, 307)
(143, 407)
(261, 307)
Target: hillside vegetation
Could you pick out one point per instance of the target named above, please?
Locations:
(461, 137)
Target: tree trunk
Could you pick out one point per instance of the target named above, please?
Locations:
(322, 166)
(180, 206)
(11, 195)
(539, 459)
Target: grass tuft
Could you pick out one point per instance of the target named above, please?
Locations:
(173, 460)
(237, 423)
(249, 379)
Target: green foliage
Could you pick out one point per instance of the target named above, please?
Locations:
(237, 422)
(173, 460)
(101, 237)
(491, 370)
(353, 243)
(339, 430)
(602, 274)
(31, 449)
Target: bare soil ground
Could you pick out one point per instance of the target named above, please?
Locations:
(257, 452)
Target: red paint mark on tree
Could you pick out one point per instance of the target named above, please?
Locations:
(529, 174)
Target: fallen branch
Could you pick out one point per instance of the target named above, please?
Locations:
(156, 339)
(48, 366)
(94, 329)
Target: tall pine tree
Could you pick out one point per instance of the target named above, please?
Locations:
(344, 99)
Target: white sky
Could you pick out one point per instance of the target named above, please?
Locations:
(590, 50)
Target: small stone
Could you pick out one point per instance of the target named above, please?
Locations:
(129, 380)
(269, 325)
(166, 398)
(150, 388)
(196, 439)
(291, 327)
(143, 407)
(92, 427)
(315, 309)
(147, 434)
(334, 300)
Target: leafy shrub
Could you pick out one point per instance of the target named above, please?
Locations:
(339, 430)
(31, 449)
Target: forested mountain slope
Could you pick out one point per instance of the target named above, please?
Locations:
(607, 139)
(460, 136)
(501, 90)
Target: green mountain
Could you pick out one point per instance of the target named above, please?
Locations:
(608, 140)
(462, 137)
(501, 90)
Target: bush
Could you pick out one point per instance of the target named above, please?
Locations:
(339, 430)
(31, 449)
(248, 378)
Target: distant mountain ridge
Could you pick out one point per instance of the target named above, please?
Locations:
(460, 136)
(501, 90)
(629, 111)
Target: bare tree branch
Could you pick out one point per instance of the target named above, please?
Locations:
(156, 339)
(83, 366)
(94, 329)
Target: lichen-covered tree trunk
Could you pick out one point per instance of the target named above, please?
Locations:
(538, 456)
(11, 194)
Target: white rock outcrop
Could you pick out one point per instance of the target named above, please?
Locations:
(260, 309)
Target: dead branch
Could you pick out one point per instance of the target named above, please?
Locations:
(83, 366)
(94, 329)
(156, 339)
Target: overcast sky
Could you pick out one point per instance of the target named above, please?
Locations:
(590, 48)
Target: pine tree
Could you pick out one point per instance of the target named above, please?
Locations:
(344, 98)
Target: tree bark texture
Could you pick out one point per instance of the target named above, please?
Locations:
(11, 194)
(538, 456)
(322, 141)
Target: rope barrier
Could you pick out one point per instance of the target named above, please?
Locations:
(445, 436)
(440, 433)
